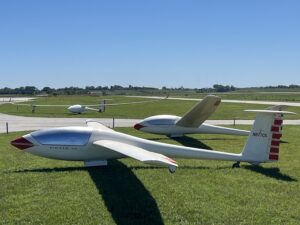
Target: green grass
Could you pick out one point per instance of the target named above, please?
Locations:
(252, 95)
(138, 111)
(36, 190)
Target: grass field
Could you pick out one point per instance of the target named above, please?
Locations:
(36, 190)
(253, 95)
(138, 111)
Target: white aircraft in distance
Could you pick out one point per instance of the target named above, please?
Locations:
(192, 122)
(95, 144)
(78, 109)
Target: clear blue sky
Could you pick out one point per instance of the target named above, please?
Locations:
(156, 43)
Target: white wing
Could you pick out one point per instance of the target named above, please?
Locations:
(200, 112)
(132, 103)
(137, 153)
(24, 104)
(97, 125)
(87, 106)
(92, 109)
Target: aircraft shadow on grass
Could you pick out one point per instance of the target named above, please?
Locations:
(185, 141)
(273, 172)
(191, 142)
(125, 196)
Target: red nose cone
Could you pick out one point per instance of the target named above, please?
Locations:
(21, 143)
(138, 126)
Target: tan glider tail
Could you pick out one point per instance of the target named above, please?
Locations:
(200, 112)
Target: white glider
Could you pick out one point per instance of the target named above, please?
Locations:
(95, 144)
(78, 108)
(192, 122)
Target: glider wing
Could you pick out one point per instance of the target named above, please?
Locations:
(137, 153)
(97, 125)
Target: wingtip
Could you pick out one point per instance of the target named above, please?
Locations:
(212, 97)
(90, 120)
(269, 111)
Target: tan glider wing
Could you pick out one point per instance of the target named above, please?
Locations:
(200, 112)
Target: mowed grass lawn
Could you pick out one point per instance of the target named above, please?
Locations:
(137, 111)
(36, 190)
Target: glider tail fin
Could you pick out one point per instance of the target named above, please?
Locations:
(264, 139)
(102, 106)
(200, 112)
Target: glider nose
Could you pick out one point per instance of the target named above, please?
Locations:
(138, 126)
(21, 143)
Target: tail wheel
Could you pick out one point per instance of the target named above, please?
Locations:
(236, 165)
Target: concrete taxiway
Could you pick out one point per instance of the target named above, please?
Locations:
(22, 123)
(4, 100)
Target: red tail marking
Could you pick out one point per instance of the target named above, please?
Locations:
(273, 157)
(276, 136)
(275, 143)
(277, 122)
(274, 150)
(275, 129)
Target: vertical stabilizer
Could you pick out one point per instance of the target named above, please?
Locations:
(263, 142)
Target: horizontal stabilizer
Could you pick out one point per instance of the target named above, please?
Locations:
(269, 111)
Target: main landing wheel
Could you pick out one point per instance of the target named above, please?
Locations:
(236, 165)
(172, 169)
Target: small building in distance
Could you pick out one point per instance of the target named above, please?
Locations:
(96, 93)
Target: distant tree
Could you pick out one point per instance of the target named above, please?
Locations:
(116, 87)
(222, 88)
(30, 90)
(90, 88)
(48, 90)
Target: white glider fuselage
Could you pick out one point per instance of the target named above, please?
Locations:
(46, 144)
(166, 124)
(77, 108)
(97, 142)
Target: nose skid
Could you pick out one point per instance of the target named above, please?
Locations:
(21, 143)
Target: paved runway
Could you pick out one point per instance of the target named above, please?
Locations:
(22, 123)
(4, 100)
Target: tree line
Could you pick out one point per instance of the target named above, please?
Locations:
(32, 90)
